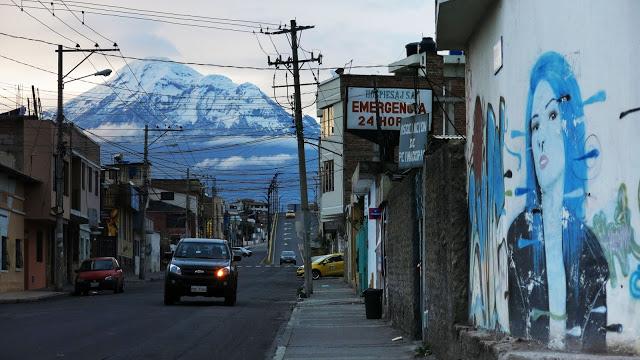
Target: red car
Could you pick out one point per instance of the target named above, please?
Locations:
(103, 273)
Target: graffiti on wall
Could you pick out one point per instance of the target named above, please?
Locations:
(488, 278)
(543, 271)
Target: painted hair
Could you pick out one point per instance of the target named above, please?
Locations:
(554, 69)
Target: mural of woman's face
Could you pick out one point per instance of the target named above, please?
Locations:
(547, 141)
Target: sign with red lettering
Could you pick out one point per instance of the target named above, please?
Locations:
(391, 106)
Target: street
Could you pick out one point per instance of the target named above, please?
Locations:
(136, 324)
(289, 233)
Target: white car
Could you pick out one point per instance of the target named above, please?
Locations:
(242, 250)
(290, 214)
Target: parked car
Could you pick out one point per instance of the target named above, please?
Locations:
(288, 257)
(327, 265)
(202, 267)
(103, 273)
(242, 250)
(290, 214)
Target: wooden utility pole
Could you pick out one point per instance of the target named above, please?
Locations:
(295, 63)
(188, 204)
(145, 190)
(144, 200)
(60, 154)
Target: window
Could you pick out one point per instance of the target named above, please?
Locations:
(90, 179)
(39, 247)
(133, 173)
(82, 174)
(166, 195)
(4, 253)
(97, 175)
(19, 259)
(448, 112)
(328, 122)
(327, 176)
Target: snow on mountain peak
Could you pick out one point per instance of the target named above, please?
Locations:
(176, 94)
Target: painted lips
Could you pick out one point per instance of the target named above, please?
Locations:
(544, 160)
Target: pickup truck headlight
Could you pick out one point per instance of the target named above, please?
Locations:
(223, 272)
(175, 269)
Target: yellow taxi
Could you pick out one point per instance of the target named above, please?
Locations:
(325, 265)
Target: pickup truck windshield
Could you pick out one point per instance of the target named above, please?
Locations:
(202, 250)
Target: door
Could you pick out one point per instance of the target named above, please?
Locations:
(335, 265)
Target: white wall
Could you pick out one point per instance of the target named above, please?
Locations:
(372, 228)
(179, 199)
(331, 203)
(599, 42)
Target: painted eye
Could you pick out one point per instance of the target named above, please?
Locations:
(553, 115)
(535, 126)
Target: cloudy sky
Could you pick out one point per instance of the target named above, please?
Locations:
(367, 32)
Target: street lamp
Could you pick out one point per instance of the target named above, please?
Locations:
(105, 72)
(59, 209)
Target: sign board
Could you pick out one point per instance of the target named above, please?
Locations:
(413, 141)
(392, 106)
(375, 213)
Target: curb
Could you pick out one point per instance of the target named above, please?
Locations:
(33, 299)
(282, 340)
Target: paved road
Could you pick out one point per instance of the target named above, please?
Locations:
(136, 324)
(289, 236)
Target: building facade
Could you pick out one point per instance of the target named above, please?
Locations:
(27, 225)
(552, 176)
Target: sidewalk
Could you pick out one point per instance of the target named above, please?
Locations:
(29, 296)
(332, 325)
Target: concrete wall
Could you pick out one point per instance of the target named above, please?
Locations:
(36, 270)
(12, 228)
(553, 173)
(446, 260)
(401, 260)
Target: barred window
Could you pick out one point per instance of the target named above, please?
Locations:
(327, 176)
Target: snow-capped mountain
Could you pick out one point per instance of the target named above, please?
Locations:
(233, 132)
(168, 94)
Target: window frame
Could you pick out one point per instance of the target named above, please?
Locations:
(328, 175)
(83, 175)
(89, 179)
(4, 253)
(19, 255)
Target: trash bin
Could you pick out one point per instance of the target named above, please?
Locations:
(373, 303)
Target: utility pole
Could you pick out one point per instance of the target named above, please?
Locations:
(145, 190)
(60, 153)
(188, 204)
(145, 197)
(59, 182)
(293, 30)
(273, 186)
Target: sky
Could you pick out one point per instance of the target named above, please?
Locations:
(366, 32)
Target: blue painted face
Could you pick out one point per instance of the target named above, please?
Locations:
(547, 141)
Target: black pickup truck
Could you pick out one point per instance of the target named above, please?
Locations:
(202, 267)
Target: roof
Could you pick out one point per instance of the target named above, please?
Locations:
(18, 174)
(456, 20)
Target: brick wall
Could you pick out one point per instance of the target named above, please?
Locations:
(402, 250)
(355, 149)
(446, 247)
